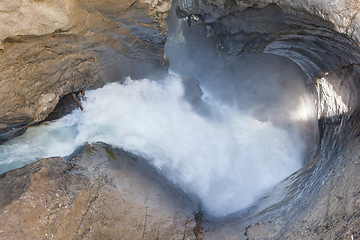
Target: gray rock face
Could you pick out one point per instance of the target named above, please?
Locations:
(342, 14)
(83, 45)
(101, 193)
(320, 201)
(309, 43)
(307, 39)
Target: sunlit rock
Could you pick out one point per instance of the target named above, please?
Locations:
(27, 17)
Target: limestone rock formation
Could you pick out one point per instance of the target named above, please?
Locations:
(320, 201)
(69, 46)
(101, 193)
(291, 29)
(342, 14)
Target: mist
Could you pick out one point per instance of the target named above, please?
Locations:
(267, 87)
(223, 128)
(228, 161)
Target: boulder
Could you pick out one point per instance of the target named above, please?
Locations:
(101, 193)
(73, 45)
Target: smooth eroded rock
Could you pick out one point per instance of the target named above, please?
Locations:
(341, 14)
(102, 193)
(97, 42)
(27, 17)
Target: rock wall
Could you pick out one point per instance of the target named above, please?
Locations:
(320, 201)
(306, 37)
(53, 48)
(27, 17)
(342, 14)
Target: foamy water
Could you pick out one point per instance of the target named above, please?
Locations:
(228, 161)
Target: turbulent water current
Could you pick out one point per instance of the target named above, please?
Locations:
(217, 131)
(227, 160)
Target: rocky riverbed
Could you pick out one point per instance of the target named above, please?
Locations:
(106, 193)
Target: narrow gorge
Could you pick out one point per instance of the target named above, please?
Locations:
(207, 119)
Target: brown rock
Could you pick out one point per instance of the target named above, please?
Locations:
(102, 194)
(32, 17)
(94, 43)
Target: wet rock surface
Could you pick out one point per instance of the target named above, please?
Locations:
(10, 128)
(309, 42)
(101, 193)
(319, 201)
(343, 15)
(304, 37)
(94, 44)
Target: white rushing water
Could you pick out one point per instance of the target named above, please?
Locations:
(228, 161)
